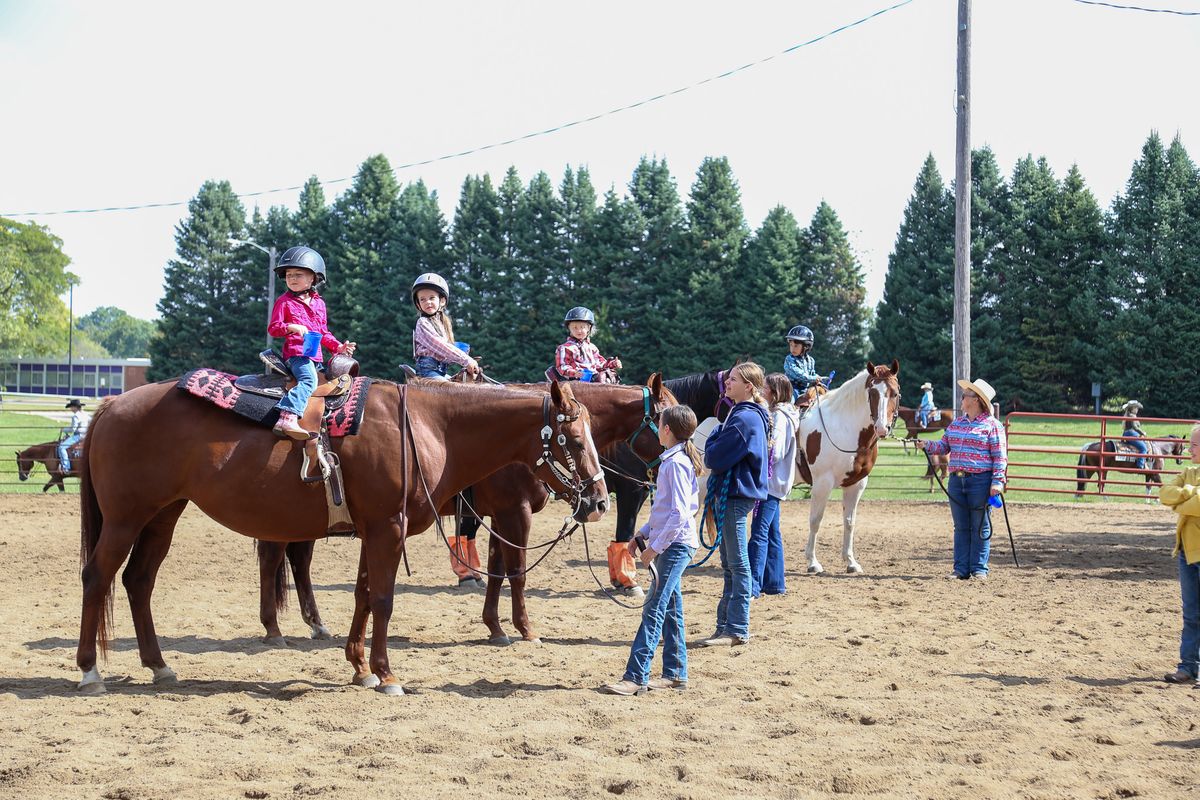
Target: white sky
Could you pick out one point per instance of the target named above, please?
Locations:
(124, 103)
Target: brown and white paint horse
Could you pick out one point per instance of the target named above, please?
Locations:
(837, 444)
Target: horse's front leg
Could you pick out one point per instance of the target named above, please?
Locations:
(383, 547)
(272, 590)
(356, 637)
(850, 497)
(491, 601)
(515, 526)
(301, 554)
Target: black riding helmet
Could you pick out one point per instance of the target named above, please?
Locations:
(305, 258)
(580, 314)
(799, 333)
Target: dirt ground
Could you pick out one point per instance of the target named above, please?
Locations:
(1043, 682)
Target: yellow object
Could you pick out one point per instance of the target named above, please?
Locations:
(1182, 495)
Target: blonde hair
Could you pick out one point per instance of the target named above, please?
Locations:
(781, 389)
(1194, 432)
(681, 421)
(752, 374)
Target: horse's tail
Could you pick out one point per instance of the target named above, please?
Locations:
(91, 521)
(281, 581)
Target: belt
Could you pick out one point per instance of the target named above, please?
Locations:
(962, 473)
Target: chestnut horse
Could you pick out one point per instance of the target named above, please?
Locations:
(837, 443)
(47, 454)
(151, 450)
(510, 497)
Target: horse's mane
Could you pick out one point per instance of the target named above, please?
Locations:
(850, 392)
(689, 388)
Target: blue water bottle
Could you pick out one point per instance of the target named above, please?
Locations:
(466, 348)
(312, 344)
(586, 375)
(995, 501)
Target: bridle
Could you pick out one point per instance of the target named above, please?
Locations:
(647, 423)
(875, 437)
(566, 474)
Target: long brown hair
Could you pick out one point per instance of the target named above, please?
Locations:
(681, 421)
(781, 389)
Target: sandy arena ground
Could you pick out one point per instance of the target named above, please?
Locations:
(1044, 682)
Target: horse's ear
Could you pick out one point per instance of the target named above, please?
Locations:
(556, 393)
(561, 394)
(656, 386)
(870, 368)
(895, 366)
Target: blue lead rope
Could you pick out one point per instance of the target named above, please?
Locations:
(714, 503)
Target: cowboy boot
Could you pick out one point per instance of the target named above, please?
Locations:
(459, 559)
(289, 426)
(621, 568)
(473, 560)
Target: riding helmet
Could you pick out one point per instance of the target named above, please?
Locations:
(430, 280)
(799, 333)
(305, 258)
(580, 314)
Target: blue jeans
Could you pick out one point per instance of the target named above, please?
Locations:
(1189, 639)
(1135, 441)
(971, 544)
(305, 372)
(64, 460)
(765, 550)
(430, 367)
(733, 610)
(662, 618)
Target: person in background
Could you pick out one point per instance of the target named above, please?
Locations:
(978, 470)
(73, 434)
(927, 411)
(1182, 495)
(765, 549)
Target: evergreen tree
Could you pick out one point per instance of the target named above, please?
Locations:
(542, 296)
(365, 220)
(213, 309)
(912, 322)
(836, 291)
(1156, 245)
(477, 249)
(991, 330)
(611, 275)
(774, 274)
(507, 288)
(723, 322)
(653, 310)
(578, 216)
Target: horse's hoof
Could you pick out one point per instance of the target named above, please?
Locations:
(393, 689)
(534, 640)
(854, 569)
(92, 683)
(500, 641)
(815, 570)
(275, 641)
(367, 681)
(165, 675)
(321, 632)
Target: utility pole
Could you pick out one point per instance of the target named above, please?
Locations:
(70, 339)
(273, 257)
(962, 205)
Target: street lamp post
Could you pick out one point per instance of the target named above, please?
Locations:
(273, 256)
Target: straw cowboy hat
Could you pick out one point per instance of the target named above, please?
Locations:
(1132, 405)
(979, 387)
(926, 385)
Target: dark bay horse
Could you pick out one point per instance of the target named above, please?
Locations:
(47, 454)
(1123, 457)
(510, 497)
(913, 427)
(153, 449)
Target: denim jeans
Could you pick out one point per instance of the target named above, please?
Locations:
(765, 550)
(64, 460)
(430, 367)
(304, 370)
(662, 618)
(1135, 440)
(1189, 639)
(733, 610)
(971, 544)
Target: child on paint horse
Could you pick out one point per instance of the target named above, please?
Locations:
(297, 313)
(800, 368)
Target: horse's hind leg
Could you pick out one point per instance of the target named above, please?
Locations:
(272, 590)
(850, 497)
(301, 554)
(382, 543)
(356, 652)
(139, 576)
(816, 510)
(491, 601)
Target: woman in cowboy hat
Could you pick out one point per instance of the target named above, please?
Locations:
(978, 465)
(927, 410)
(73, 434)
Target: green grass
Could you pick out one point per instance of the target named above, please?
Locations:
(18, 431)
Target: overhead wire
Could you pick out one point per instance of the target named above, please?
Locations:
(513, 140)
(1139, 8)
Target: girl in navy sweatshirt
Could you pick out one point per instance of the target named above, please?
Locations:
(737, 455)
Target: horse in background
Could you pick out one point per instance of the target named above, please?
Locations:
(912, 424)
(1093, 462)
(47, 454)
(837, 444)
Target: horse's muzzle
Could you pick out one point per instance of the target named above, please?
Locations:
(592, 509)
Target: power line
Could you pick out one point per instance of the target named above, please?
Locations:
(494, 145)
(1140, 8)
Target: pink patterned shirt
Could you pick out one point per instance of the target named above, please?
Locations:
(573, 356)
(290, 310)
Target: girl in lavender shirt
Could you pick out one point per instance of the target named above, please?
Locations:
(669, 538)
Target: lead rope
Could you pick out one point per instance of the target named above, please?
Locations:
(984, 508)
(715, 502)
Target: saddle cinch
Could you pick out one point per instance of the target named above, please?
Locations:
(319, 463)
